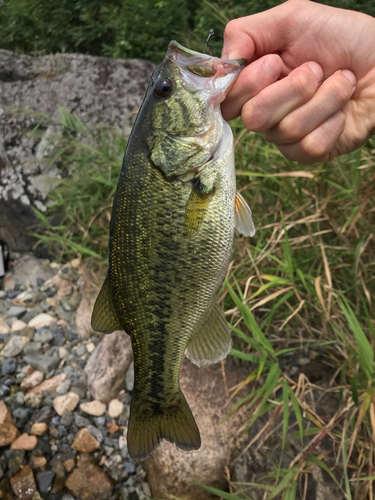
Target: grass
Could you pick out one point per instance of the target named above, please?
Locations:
(302, 288)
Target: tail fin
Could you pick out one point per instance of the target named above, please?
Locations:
(177, 427)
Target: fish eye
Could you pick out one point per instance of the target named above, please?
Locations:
(163, 87)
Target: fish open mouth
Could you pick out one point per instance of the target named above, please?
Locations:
(204, 71)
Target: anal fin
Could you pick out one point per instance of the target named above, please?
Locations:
(243, 220)
(104, 318)
(212, 342)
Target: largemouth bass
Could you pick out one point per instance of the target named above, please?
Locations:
(171, 234)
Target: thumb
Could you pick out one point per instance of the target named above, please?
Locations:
(259, 34)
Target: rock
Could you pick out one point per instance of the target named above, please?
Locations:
(45, 336)
(14, 346)
(14, 459)
(51, 384)
(16, 312)
(98, 88)
(39, 428)
(8, 432)
(9, 366)
(24, 442)
(89, 482)
(22, 415)
(106, 366)
(63, 387)
(32, 380)
(85, 308)
(28, 268)
(18, 325)
(64, 288)
(42, 363)
(33, 399)
(85, 442)
(69, 464)
(63, 353)
(64, 403)
(37, 462)
(4, 327)
(80, 351)
(90, 347)
(95, 408)
(171, 471)
(44, 481)
(43, 320)
(32, 348)
(23, 484)
(115, 408)
(129, 379)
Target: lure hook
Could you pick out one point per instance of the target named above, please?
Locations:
(210, 33)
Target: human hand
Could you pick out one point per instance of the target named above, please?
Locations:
(310, 84)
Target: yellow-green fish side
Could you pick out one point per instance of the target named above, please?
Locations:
(170, 242)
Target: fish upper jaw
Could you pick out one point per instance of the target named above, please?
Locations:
(204, 72)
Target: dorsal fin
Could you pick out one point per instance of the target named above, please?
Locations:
(104, 318)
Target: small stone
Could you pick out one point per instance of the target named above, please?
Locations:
(122, 441)
(90, 347)
(33, 399)
(22, 415)
(9, 366)
(41, 362)
(85, 442)
(129, 378)
(67, 418)
(63, 353)
(42, 320)
(38, 462)
(32, 380)
(89, 482)
(19, 398)
(26, 296)
(8, 432)
(14, 346)
(129, 467)
(45, 480)
(18, 325)
(39, 428)
(63, 387)
(24, 442)
(52, 302)
(64, 288)
(115, 408)
(95, 408)
(51, 384)
(32, 348)
(96, 433)
(69, 464)
(81, 421)
(23, 484)
(64, 403)
(45, 336)
(303, 361)
(16, 312)
(4, 327)
(45, 414)
(112, 428)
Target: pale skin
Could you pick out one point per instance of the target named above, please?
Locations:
(310, 82)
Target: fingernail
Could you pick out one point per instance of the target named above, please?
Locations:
(350, 76)
(317, 70)
(272, 66)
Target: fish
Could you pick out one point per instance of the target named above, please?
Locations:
(173, 220)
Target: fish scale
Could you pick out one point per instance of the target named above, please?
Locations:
(171, 235)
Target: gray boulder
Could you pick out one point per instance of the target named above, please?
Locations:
(99, 89)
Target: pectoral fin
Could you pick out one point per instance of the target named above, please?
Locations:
(212, 342)
(243, 221)
(104, 318)
(196, 208)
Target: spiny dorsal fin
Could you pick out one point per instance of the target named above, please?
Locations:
(212, 342)
(243, 221)
(104, 318)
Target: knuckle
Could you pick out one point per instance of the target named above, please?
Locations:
(289, 128)
(341, 90)
(303, 85)
(254, 115)
(315, 146)
(231, 29)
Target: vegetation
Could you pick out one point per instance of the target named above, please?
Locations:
(301, 289)
(125, 28)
